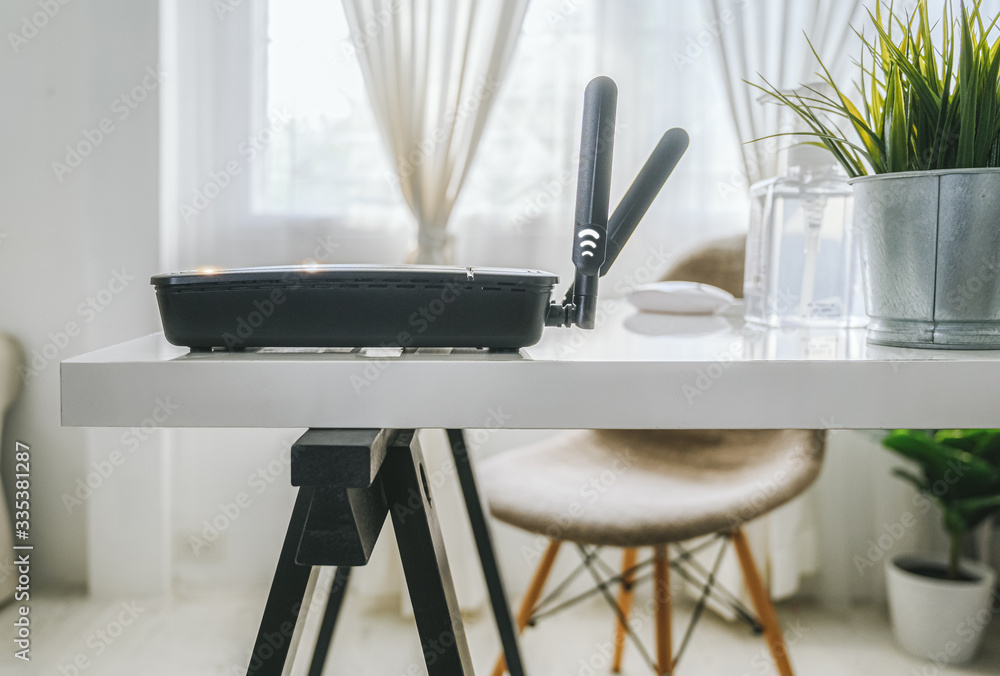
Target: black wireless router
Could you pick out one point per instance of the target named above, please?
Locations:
(425, 306)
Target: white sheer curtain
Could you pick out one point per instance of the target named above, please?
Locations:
(433, 70)
(768, 38)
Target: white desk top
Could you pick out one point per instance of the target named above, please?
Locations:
(634, 371)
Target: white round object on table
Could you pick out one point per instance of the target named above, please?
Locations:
(681, 298)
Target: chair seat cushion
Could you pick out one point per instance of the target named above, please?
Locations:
(632, 488)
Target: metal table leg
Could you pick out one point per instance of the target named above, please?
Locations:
(474, 504)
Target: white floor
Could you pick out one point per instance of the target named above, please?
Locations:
(212, 636)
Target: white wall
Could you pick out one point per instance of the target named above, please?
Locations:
(64, 240)
(231, 500)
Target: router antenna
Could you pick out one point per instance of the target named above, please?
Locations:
(597, 240)
(593, 196)
(643, 191)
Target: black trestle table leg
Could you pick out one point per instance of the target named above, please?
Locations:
(330, 614)
(484, 544)
(285, 600)
(425, 565)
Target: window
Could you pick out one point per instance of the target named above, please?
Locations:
(286, 69)
(329, 158)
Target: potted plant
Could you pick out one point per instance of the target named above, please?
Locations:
(922, 147)
(940, 604)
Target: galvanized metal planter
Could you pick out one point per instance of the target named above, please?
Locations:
(930, 257)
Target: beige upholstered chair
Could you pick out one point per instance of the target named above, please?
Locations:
(719, 263)
(11, 357)
(654, 489)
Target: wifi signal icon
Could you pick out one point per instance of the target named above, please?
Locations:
(588, 241)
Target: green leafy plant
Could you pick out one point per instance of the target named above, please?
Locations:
(960, 471)
(920, 108)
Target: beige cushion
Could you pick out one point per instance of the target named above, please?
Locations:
(631, 488)
(719, 262)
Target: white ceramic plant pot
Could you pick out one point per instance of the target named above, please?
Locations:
(940, 620)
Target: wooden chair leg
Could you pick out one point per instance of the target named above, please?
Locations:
(762, 603)
(531, 596)
(625, 595)
(661, 598)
